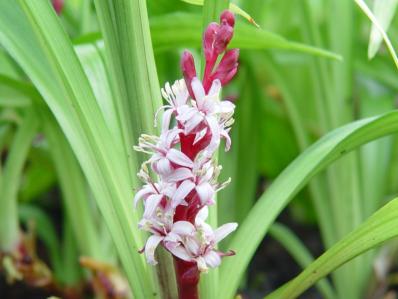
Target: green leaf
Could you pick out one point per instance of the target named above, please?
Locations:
(379, 28)
(92, 60)
(10, 181)
(184, 30)
(45, 53)
(300, 253)
(222, 5)
(289, 183)
(380, 227)
(130, 59)
(13, 93)
(73, 188)
(383, 11)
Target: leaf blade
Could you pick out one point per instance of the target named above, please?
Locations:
(290, 181)
(380, 227)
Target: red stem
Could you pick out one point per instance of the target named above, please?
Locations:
(187, 275)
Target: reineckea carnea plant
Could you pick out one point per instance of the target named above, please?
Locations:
(104, 93)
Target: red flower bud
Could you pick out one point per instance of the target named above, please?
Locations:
(215, 41)
(227, 67)
(223, 37)
(188, 70)
(58, 6)
(227, 17)
(208, 42)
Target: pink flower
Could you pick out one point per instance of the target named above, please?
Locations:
(208, 114)
(197, 242)
(176, 96)
(185, 177)
(164, 158)
(191, 243)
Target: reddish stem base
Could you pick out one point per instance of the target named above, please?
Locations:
(187, 275)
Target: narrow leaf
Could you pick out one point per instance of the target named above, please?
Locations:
(233, 7)
(289, 183)
(383, 11)
(11, 178)
(300, 253)
(45, 53)
(379, 27)
(184, 30)
(380, 227)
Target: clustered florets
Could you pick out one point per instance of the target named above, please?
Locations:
(193, 123)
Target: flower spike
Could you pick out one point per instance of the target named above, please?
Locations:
(184, 175)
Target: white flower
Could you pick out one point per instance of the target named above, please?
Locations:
(176, 96)
(164, 155)
(204, 180)
(196, 243)
(180, 181)
(208, 113)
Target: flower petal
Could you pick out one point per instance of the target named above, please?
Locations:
(199, 136)
(172, 240)
(202, 215)
(225, 134)
(150, 247)
(179, 174)
(181, 193)
(162, 166)
(192, 123)
(181, 92)
(179, 158)
(183, 228)
(192, 245)
(198, 91)
(181, 253)
(185, 112)
(212, 259)
(224, 230)
(205, 192)
(226, 107)
(166, 119)
(142, 193)
(215, 87)
(215, 135)
(201, 263)
(151, 203)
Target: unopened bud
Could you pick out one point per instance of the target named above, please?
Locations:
(227, 17)
(223, 37)
(58, 6)
(227, 67)
(208, 42)
(188, 70)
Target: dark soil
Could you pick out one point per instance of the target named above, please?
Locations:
(20, 290)
(272, 266)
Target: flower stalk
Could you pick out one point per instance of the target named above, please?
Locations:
(176, 202)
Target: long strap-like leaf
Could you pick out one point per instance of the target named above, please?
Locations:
(380, 227)
(289, 183)
(42, 49)
(9, 226)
